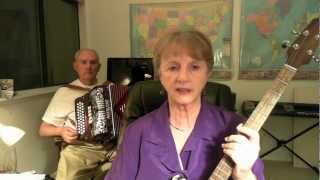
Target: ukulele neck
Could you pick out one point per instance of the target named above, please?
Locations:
(258, 116)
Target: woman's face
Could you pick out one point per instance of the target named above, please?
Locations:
(183, 77)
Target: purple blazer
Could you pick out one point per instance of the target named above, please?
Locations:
(148, 150)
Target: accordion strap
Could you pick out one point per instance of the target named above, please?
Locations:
(82, 88)
(76, 87)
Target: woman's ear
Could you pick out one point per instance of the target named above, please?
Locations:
(209, 73)
(156, 75)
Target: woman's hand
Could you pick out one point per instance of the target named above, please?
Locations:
(244, 149)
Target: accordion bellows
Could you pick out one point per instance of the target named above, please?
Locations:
(99, 113)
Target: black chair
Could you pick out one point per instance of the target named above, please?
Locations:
(145, 96)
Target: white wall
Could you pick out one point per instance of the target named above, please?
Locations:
(104, 26)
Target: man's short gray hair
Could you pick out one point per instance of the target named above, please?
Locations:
(77, 54)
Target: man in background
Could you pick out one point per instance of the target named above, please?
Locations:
(78, 160)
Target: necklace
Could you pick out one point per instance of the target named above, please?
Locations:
(179, 129)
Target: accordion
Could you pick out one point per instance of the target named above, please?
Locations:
(99, 112)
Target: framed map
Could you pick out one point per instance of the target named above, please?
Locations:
(265, 24)
(213, 18)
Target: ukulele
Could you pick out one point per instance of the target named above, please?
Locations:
(299, 53)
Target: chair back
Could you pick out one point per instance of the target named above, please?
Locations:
(145, 96)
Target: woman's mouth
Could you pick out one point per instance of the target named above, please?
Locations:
(183, 90)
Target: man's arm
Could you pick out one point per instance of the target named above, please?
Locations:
(69, 135)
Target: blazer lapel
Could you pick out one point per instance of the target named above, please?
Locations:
(202, 133)
(160, 142)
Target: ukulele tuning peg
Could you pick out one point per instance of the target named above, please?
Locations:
(316, 59)
(306, 33)
(295, 33)
(309, 52)
(295, 46)
(285, 44)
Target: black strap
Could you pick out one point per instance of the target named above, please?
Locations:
(76, 87)
(82, 88)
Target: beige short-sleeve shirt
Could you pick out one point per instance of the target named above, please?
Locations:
(61, 111)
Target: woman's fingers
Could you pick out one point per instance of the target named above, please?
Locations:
(236, 138)
(251, 134)
(243, 148)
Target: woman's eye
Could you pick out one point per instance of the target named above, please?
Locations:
(172, 68)
(195, 67)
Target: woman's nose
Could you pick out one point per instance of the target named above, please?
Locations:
(183, 74)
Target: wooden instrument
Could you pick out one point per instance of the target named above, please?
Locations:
(299, 53)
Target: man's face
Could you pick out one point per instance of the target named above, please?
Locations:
(183, 78)
(87, 66)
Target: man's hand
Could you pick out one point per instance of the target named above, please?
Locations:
(69, 135)
(244, 149)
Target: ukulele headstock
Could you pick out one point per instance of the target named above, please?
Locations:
(302, 50)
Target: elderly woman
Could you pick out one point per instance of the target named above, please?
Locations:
(186, 137)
